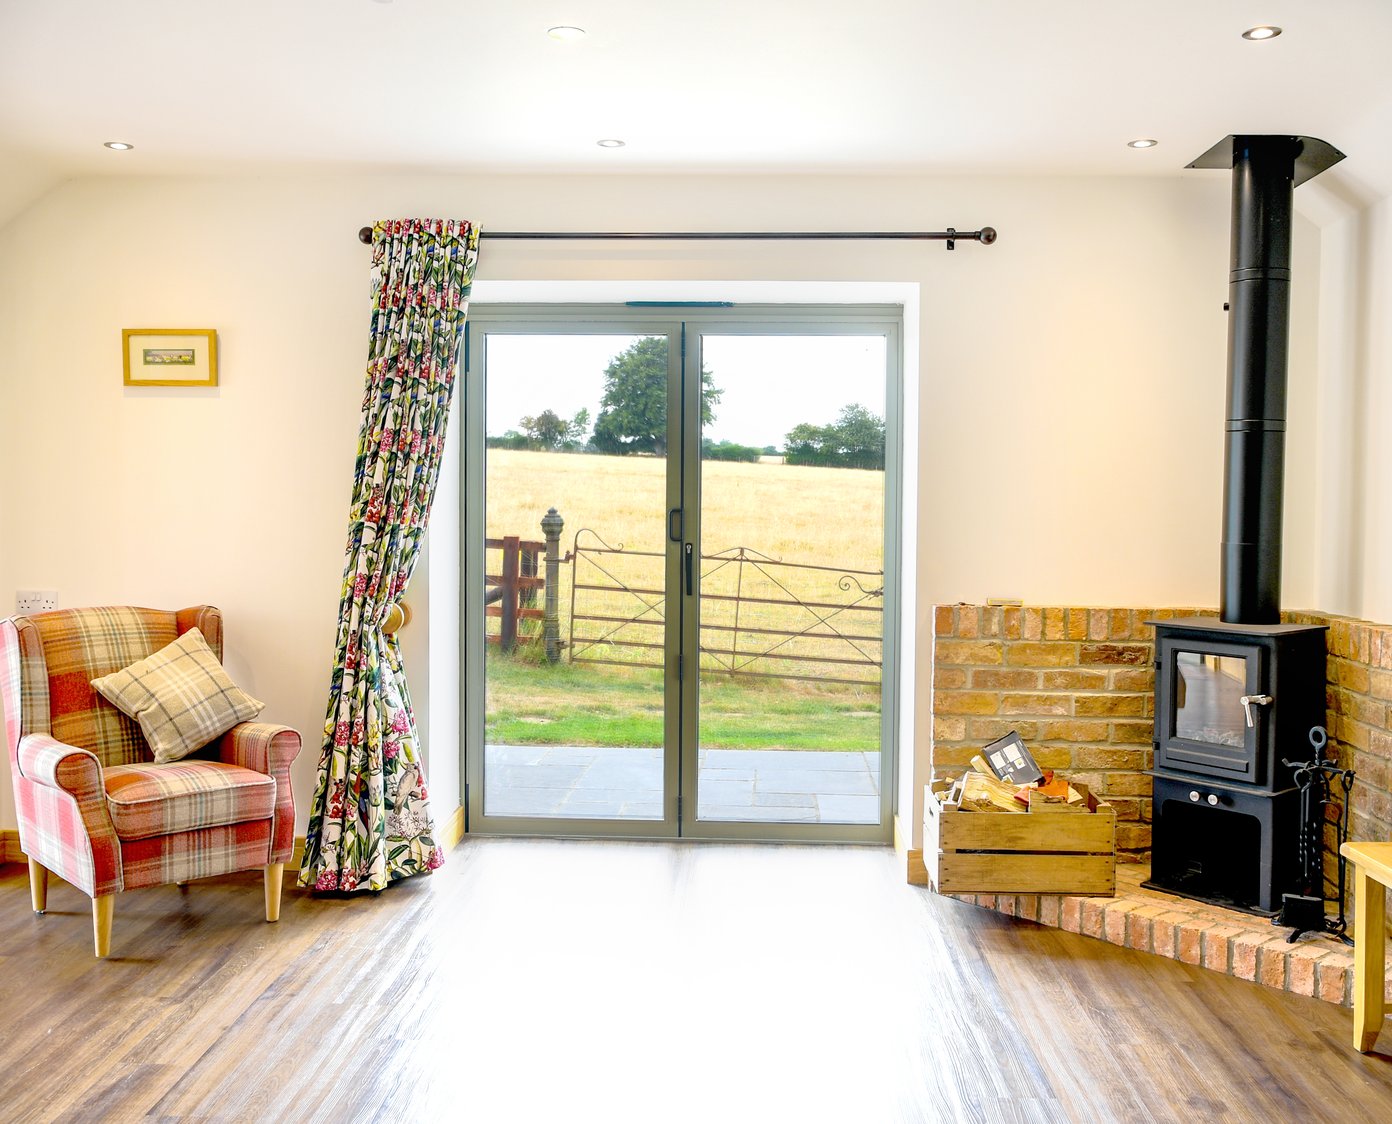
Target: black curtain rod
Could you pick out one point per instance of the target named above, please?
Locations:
(986, 235)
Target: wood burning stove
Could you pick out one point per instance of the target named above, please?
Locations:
(1235, 698)
(1233, 703)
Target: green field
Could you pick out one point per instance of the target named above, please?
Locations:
(564, 704)
(828, 522)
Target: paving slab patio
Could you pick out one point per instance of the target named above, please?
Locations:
(756, 785)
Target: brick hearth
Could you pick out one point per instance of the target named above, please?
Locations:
(1222, 940)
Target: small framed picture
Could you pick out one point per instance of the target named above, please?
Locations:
(170, 356)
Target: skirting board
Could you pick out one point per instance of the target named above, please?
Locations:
(917, 871)
(453, 830)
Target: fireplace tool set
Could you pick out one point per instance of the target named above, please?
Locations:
(1316, 780)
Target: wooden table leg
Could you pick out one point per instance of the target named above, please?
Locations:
(1369, 925)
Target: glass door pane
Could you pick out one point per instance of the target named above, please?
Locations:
(791, 596)
(576, 494)
(1208, 697)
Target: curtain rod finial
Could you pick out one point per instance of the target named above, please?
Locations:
(365, 236)
(988, 235)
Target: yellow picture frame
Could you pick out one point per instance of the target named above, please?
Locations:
(169, 356)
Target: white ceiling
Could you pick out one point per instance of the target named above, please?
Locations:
(721, 86)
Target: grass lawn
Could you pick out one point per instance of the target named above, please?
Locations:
(565, 704)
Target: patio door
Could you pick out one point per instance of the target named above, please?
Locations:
(675, 572)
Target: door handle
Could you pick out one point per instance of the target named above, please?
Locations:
(1248, 701)
(690, 553)
(675, 521)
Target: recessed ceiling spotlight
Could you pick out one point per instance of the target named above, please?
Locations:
(1265, 31)
(610, 142)
(1143, 142)
(119, 146)
(566, 33)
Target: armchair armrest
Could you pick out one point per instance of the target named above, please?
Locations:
(53, 763)
(261, 747)
(270, 749)
(64, 823)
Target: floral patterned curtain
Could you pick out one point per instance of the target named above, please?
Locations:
(370, 820)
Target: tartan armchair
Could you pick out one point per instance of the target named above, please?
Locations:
(93, 806)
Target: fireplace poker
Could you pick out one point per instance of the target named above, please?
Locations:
(1304, 912)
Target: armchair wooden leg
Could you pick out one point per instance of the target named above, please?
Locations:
(274, 873)
(102, 910)
(38, 886)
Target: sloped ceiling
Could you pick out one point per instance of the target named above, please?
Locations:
(725, 86)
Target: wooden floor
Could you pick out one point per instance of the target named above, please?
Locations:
(566, 981)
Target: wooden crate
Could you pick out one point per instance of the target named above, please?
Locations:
(1019, 852)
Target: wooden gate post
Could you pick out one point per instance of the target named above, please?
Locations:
(508, 625)
(551, 526)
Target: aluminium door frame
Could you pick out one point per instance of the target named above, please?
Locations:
(799, 320)
(685, 324)
(553, 320)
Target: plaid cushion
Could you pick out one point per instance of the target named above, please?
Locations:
(162, 859)
(147, 800)
(180, 696)
(78, 646)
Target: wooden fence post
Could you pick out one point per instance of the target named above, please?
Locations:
(551, 526)
(508, 624)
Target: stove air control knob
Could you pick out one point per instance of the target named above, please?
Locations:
(1194, 796)
(1213, 799)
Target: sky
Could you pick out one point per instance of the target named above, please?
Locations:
(770, 383)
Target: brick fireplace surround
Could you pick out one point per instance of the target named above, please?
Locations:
(1077, 683)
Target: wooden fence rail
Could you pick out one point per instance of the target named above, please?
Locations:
(510, 595)
(621, 619)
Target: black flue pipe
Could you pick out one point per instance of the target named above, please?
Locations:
(1254, 447)
(1265, 172)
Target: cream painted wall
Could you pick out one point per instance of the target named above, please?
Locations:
(1070, 387)
(1354, 529)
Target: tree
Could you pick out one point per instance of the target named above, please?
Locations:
(861, 438)
(727, 451)
(510, 440)
(856, 439)
(633, 412)
(548, 430)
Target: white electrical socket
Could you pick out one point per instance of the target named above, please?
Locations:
(36, 600)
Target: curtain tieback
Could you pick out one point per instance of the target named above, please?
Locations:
(398, 617)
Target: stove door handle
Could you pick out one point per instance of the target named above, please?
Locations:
(1248, 701)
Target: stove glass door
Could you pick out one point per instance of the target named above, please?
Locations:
(1208, 698)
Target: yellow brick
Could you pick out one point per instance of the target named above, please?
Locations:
(1036, 704)
(968, 652)
(966, 702)
(1046, 654)
(1126, 706)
